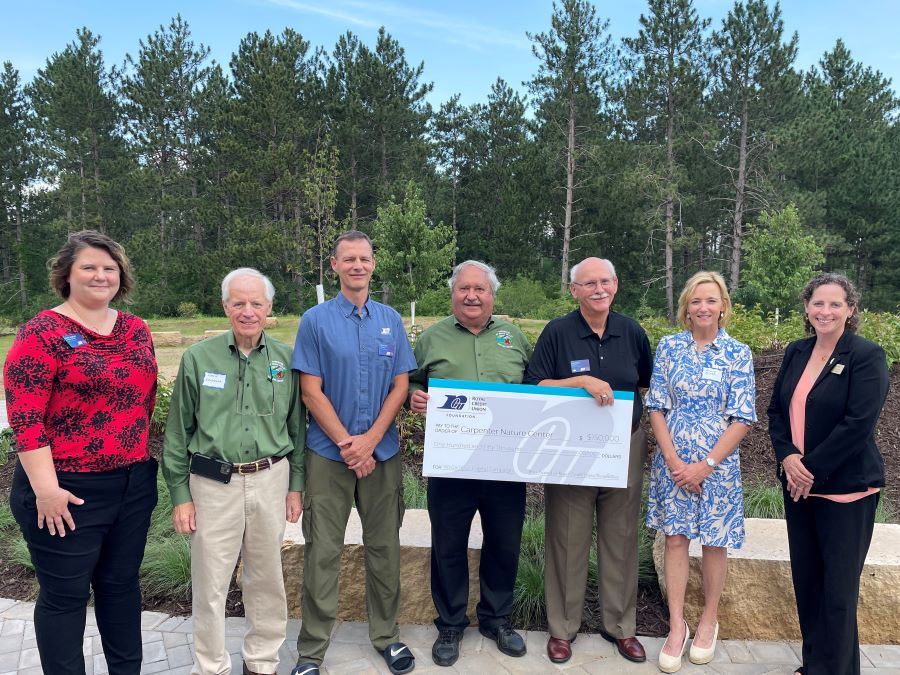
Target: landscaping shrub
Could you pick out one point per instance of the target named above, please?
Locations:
(187, 310)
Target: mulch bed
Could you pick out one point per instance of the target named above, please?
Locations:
(757, 465)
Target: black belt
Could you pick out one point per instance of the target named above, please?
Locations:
(253, 467)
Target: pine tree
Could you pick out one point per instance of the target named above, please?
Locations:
(16, 170)
(575, 56)
(750, 67)
(662, 96)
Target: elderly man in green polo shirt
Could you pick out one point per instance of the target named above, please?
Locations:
(233, 460)
(472, 345)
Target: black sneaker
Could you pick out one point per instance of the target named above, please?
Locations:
(508, 641)
(307, 668)
(445, 650)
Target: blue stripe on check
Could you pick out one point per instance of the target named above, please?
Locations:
(522, 388)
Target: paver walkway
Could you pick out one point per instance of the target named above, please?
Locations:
(168, 640)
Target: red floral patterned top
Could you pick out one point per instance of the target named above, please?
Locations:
(88, 396)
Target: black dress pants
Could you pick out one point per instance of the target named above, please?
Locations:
(828, 544)
(452, 503)
(103, 552)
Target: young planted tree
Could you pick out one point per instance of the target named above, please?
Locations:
(750, 67)
(412, 254)
(780, 258)
(667, 77)
(575, 57)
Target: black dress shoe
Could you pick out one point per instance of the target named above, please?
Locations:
(445, 650)
(508, 641)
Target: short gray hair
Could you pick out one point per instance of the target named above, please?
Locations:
(574, 270)
(247, 272)
(493, 281)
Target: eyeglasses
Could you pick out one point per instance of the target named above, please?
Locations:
(593, 285)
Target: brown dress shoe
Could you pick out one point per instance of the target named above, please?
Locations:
(247, 671)
(628, 647)
(559, 650)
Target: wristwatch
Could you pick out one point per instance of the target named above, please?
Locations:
(710, 462)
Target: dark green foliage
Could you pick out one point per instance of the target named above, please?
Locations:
(655, 157)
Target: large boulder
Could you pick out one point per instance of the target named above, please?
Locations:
(416, 606)
(758, 601)
(168, 338)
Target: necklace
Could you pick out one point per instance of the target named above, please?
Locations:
(94, 328)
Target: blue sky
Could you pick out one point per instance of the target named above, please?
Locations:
(465, 44)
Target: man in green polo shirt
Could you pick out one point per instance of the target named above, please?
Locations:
(233, 460)
(472, 345)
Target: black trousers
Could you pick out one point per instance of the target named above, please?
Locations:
(828, 544)
(103, 552)
(452, 503)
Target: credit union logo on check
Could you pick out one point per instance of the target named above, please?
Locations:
(454, 402)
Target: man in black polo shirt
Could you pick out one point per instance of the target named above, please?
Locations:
(600, 351)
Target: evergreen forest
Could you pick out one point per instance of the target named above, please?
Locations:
(689, 145)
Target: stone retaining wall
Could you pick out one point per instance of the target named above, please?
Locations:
(415, 569)
(758, 602)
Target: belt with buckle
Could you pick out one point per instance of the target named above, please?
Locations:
(253, 467)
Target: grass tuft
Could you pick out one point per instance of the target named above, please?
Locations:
(528, 594)
(415, 490)
(763, 501)
(166, 569)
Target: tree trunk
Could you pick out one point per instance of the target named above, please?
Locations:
(670, 208)
(570, 197)
(739, 199)
(23, 294)
(97, 195)
(353, 190)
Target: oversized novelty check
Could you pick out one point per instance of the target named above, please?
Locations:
(525, 433)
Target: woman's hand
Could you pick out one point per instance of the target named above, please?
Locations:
(53, 510)
(799, 479)
(691, 476)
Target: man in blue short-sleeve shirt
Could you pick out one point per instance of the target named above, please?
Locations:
(354, 360)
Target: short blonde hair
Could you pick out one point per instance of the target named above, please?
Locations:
(690, 287)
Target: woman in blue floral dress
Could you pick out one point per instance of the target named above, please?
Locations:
(701, 404)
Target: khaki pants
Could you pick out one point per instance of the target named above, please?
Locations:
(569, 514)
(246, 517)
(331, 490)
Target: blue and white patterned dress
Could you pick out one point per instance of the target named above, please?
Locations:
(700, 393)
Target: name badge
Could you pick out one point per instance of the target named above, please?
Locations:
(385, 350)
(712, 374)
(581, 365)
(838, 369)
(214, 380)
(75, 340)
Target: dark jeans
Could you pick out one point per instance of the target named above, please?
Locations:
(103, 552)
(828, 543)
(452, 503)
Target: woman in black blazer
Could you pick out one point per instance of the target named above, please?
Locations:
(827, 398)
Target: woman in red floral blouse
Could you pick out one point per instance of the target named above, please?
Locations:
(80, 389)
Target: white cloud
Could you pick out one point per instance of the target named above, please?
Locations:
(452, 30)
